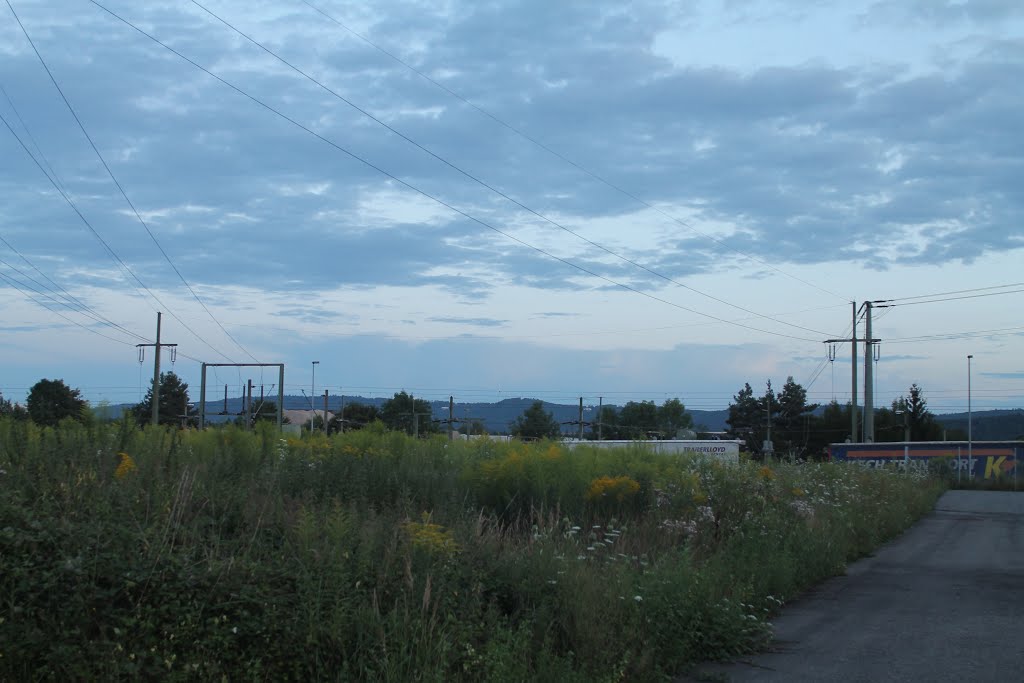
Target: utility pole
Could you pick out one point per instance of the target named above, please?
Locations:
(312, 393)
(341, 421)
(600, 409)
(248, 405)
(325, 411)
(869, 341)
(970, 420)
(581, 418)
(853, 375)
(156, 370)
(869, 390)
(451, 418)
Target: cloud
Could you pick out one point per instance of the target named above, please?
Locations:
(479, 322)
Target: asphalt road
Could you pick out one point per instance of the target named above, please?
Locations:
(944, 602)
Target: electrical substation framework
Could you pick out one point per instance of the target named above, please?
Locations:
(280, 388)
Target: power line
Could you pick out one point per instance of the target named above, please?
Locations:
(999, 332)
(82, 309)
(109, 249)
(103, 161)
(484, 184)
(429, 196)
(565, 159)
(952, 298)
(20, 287)
(959, 291)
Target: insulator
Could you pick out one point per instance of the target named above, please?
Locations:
(142, 354)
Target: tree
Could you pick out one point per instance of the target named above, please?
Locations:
(672, 418)
(833, 426)
(15, 411)
(639, 420)
(793, 419)
(261, 410)
(916, 416)
(536, 423)
(397, 414)
(743, 411)
(173, 401)
(50, 401)
(355, 416)
(608, 417)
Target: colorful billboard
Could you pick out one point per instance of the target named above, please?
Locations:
(981, 459)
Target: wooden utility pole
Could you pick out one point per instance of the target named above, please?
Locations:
(325, 411)
(156, 371)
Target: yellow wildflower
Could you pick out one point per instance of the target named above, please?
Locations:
(125, 467)
(617, 488)
(431, 537)
(766, 473)
(798, 492)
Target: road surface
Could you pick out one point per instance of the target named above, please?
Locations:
(944, 602)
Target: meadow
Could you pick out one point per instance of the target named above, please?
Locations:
(235, 555)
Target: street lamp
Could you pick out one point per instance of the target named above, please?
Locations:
(970, 435)
(312, 393)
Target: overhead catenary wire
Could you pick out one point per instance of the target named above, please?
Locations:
(426, 194)
(484, 184)
(124, 194)
(563, 158)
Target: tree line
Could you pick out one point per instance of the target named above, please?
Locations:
(785, 420)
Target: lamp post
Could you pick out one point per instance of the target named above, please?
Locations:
(970, 435)
(312, 393)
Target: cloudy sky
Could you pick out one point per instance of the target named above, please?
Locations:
(493, 199)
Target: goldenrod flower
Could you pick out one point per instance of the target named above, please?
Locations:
(125, 467)
(618, 488)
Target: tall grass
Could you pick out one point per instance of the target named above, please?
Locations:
(373, 556)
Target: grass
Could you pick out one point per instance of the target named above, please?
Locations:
(129, 553)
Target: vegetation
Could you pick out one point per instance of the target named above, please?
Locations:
(184, 555)
(798, 433)
(408, 414)
(355, 416)
(50, 401)
(173, 402)
(536, 423)
(644, 420)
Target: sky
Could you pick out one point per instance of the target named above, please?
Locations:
(613, 200)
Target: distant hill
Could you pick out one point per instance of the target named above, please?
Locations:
(987, 425)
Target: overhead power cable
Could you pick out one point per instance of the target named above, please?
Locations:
(565, 159)
(29, 134)
(884, 303)
(78, 308)
(103, 161)
(959, 291)
(102, 241)
(429, 196)
(999, 332)
(486, 185)
(48, 306)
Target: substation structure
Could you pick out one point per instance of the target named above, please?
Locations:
(280, 388)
